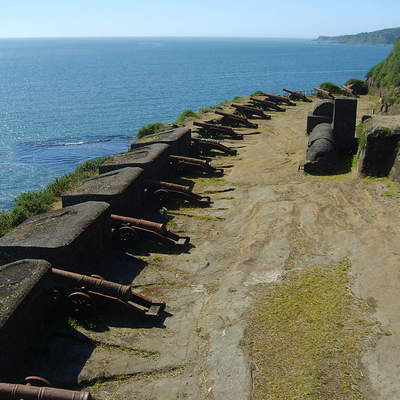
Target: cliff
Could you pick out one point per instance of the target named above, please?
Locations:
(384, 36)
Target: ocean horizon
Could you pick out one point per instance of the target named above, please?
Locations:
(66, 100)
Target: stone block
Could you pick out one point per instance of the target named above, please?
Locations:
(122, 189)
(152, 158)
(73, 238)
(25, 306)
(179, 140)
(344, 123)
(378, 156)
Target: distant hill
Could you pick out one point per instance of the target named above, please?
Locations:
(387, 73)
(384, 36)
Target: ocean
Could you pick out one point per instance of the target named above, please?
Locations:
(63, 101)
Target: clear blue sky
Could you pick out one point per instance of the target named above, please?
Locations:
(259, 18)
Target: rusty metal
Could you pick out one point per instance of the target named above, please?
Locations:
(203, 146)
(235, 120)
(165, 190)
(128, 230)
(182, 163)
(81, 303)
(267, 105)
(348, 91)
(141, 223)
(37, 381)
(324, 94)
(250, 111)
(9, 391)
(127, 235)
(190, 159)
(167, 185)
(278, 99)
(213, 129)
(85, 287)
(297, 95)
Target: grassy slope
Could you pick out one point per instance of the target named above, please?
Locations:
(33, 203)
(306, 335)
(384, 36)
(387, 73)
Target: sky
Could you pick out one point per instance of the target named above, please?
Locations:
(217, 18)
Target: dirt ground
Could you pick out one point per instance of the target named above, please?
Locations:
(267, 218)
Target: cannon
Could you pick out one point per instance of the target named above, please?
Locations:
(324, 94)
(266, 105)
(127, 230)
(278, 99)
(297, 96)
(348, 91)
(180, 163)
(11, 391)
(250, 111)
(164, 191)
(235, 120)
(322, 155)
(203, 147)
(207, 129)
(81, 291)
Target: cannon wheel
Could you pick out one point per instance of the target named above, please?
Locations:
(81, 303)
(162, 196)
(124, 236)
(37, 381)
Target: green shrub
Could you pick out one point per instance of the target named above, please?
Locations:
(237, 98)
(394, 99)
(330, 87)
(257, 93)
(185, 115)
(360, 87)
(151, 129)
(29, 204)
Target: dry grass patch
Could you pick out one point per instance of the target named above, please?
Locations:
(306, 335)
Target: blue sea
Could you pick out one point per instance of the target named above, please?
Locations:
(63, 101)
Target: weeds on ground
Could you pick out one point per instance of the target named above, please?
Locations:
(306, 335)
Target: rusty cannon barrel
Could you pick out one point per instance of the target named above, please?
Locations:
(297, 95)
(167, 185)
(267, 105)
(278, 99)
(9, 391)
(203, 146)
(236, 120)
(93, 284)
(190, 159)
(167, 190)
(141, 223)
(82, 288)
(250, 111)
(324, 94)
(214, 129)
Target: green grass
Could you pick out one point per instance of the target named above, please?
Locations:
(184, 115)
(257, 93)
(330, 87)
(33, 203)
(387, 73)
(151, 129)
(306, 336)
